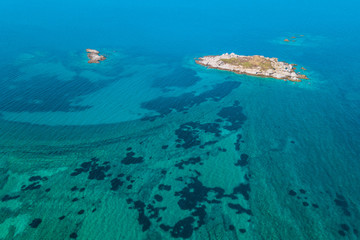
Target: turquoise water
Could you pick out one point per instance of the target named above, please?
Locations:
(149, 145)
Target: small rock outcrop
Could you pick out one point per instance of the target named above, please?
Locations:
(252, 65)
(94, 56)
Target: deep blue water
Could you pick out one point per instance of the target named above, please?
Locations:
(163, 148)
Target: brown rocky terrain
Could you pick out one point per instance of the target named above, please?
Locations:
(94, 56)
(252, 65)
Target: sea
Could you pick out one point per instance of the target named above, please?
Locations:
(149, 145)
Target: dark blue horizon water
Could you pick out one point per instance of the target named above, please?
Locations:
(149, 145)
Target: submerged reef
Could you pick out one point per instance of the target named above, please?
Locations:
(252, 65)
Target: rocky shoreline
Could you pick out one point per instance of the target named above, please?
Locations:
(94, 56)
(252, 65)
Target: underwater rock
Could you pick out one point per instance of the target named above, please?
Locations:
(130, 159)
(192, 161)
(243, 161)
(73, 235)
(8, 197)
(292, 193)
(165, 105)
(341, 202)
(35, 223)
(189, 133)
(93, 167)
(315, 205)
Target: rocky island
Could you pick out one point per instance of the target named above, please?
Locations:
(94, 56)
(252, 65)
